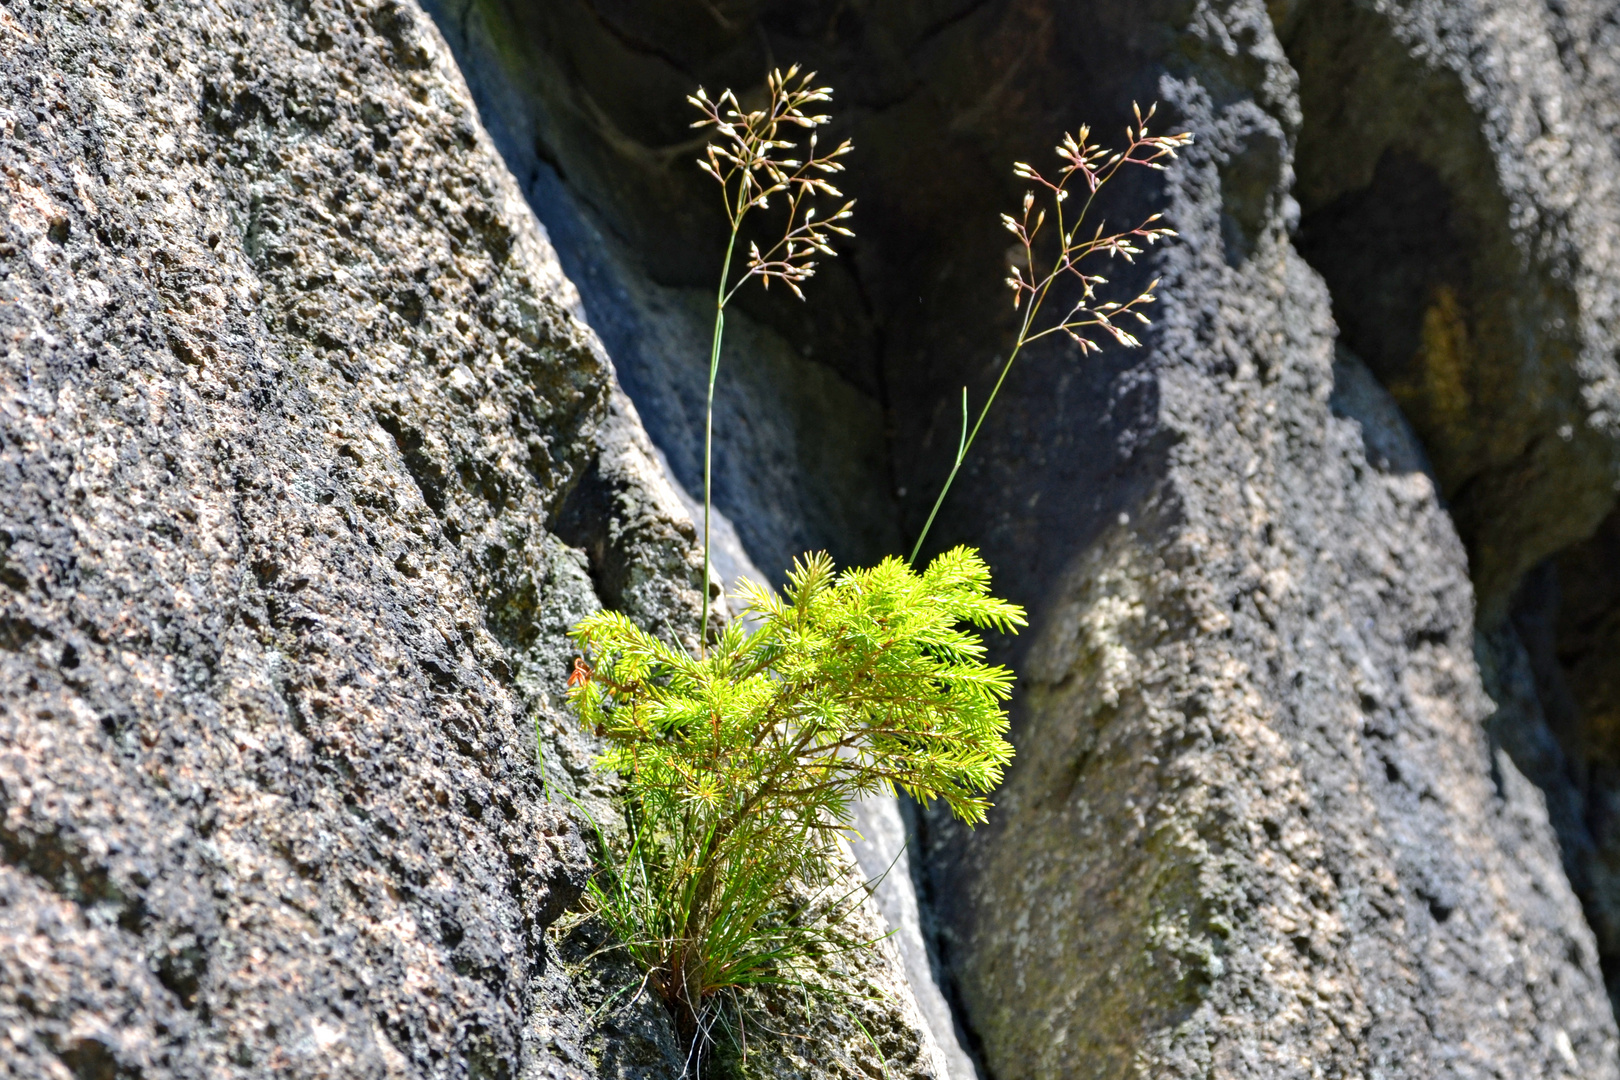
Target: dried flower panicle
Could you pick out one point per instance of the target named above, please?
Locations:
(1094, 166)
(750, 160)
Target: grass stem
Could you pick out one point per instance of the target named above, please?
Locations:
(708, 432)
(965, 443)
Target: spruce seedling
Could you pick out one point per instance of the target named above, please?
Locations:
(741, 763)
(740, 766)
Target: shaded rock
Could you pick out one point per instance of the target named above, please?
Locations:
(1557, 710)
(1456, 171)
(1456, 166)
(882, 846)
(1252, 723)
(801, 457)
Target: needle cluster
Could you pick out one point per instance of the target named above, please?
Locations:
(740, 767)
(751, 161)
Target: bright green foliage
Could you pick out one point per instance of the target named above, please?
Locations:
(741, 765)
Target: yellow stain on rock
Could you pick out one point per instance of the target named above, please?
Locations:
(1435, 393)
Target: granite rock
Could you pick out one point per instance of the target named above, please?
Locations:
(311, 455)
(308, 463)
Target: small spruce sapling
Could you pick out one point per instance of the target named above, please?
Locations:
(741, 764)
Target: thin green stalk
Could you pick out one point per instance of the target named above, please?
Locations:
(708, 429)
(1082, 157)
(965, 443)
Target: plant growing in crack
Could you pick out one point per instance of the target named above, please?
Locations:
(740, 763)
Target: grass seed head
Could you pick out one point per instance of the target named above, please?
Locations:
(752, 145)
(1094, 166)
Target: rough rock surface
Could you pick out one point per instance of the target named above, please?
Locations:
(1457, 177)
(1265, 819)
(1253, 696)
(308, 460)
(307, 463)
(1457, 168)
(1554, 668)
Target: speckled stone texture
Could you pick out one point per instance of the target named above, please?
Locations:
(1257, 780)
(306, 463)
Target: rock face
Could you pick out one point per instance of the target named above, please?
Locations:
(311, 452)
(307, 464)
(1266, 819)
(1473, 265)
